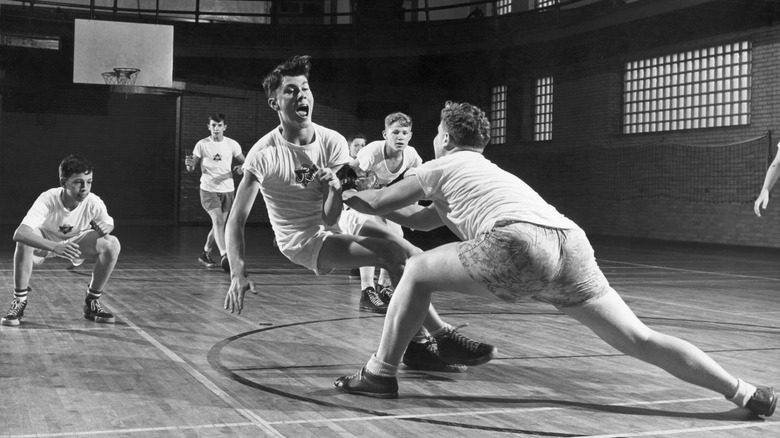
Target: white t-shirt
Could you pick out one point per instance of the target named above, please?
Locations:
(284, 170)
(216, 163)
(471, 194)
(372, 159)
(49, 215)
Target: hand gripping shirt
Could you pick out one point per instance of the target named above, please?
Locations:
(471, 194)
(285, 172)
(216, 163)
(49, 215)
(372, 159)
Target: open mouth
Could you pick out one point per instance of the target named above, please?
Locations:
(302, 111)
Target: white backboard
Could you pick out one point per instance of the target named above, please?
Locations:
(100, 46)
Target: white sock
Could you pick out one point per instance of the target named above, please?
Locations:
(744, 392)
(384, 278)
(379, 368)
(366, 277)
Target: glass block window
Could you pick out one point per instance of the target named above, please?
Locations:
(541, 4)
(703, 88)
(543, 109)
(498, 114)
(503, 7)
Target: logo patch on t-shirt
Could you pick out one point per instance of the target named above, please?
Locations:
(65, 229)
(217, 157)
(305, 174)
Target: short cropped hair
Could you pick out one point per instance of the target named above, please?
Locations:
(356, 135)
(400, 118)
(466, 124)
(299, 65)
(217, 117)
(73, 164)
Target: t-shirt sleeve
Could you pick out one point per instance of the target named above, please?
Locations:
(253, 165)
(415, 160)
(38, 213)
(237, 149)
(365, 159)
(197, 152)
(429, 176)
(339, 150)
(100, 212)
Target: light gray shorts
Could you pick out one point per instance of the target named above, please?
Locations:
(216, 201)
(519, 259)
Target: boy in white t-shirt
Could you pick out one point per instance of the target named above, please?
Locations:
(383, 162)
(68, 222)
(294, 167)
(216, 154)
(514, 245)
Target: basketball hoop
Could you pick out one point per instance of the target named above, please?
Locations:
(121, 79)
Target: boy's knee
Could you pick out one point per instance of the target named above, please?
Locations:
(109, 244)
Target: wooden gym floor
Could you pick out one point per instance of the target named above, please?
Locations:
(176, 365)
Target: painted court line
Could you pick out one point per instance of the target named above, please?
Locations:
(693, 271)
(205, 381)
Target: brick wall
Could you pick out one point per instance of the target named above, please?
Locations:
(587, 113)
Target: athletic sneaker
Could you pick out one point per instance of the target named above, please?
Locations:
(15, 313)
(206, 260)
(370, 301)
(225, 264)
(365, 383)
(763, 401)
(386, 293)
(94, 311)
(424, 356)
(456, 348)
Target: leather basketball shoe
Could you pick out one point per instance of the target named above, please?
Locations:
(424, 356)
(370, 301)
(15, 313)
(365, 383)
(94, 311)
(763, 401)
(456, 348)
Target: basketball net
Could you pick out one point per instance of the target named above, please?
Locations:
(122, 79)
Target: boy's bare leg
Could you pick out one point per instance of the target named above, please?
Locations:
(23, 266)
(104, 250)
(435, 270)
(218, 220)
(614, 322)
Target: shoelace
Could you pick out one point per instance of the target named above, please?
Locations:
(16, 307)
(373, 296)
(469, 344)
(96, 306)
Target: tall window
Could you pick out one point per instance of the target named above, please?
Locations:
(504, 7)
(498, 114)
(703, 88)
(543, 109)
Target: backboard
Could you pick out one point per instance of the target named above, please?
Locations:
(103, 46)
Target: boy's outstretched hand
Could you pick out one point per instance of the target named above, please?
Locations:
(234, 300)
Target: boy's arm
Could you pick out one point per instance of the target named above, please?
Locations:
(235, 241)
(239, 158)
(331, 195)
(381, 202)
(416, 217)
(770, 179)
(26, 235)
